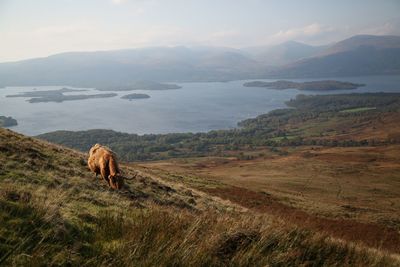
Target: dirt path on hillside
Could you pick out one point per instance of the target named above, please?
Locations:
(372, 235)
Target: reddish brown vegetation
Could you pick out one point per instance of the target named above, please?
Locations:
(370, 234)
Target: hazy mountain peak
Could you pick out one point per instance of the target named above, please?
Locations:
(357, 55)
(293, 43)
(374, 41)
(283, 53)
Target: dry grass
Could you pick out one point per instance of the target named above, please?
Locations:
(361, 183)
(158, 236)
(382, 127)
(54, 212)
(346, 192)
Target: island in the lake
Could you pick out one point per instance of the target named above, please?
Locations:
(36, 93)
(140, 85)
(58, 95)
(327, 85)
(135, 96)
(7, 121)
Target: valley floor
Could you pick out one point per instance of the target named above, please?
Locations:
(351, 193)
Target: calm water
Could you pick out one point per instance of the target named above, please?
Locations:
(197, 107)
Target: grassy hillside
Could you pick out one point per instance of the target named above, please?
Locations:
(54, 212)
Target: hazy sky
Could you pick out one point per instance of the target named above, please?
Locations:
(33, 28)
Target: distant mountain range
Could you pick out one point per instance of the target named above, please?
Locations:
(123, 67)
(358, 55)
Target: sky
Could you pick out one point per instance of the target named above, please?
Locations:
(38, 28)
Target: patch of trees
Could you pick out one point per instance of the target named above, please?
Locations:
(135, 96)
(7, 121)
(325, 103)
(326, 85)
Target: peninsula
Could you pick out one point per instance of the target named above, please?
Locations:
(58, 95)
(326, 85)
(49, 93)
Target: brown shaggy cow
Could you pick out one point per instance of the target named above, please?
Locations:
(102, 160)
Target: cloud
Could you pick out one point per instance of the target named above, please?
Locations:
(391, 27)
(311, 32)
(308, 30)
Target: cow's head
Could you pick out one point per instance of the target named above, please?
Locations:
(116, 181)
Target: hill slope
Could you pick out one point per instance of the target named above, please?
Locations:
(54, 212)
(355, 42)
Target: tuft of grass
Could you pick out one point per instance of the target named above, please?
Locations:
(352, 110)
(158, 237)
